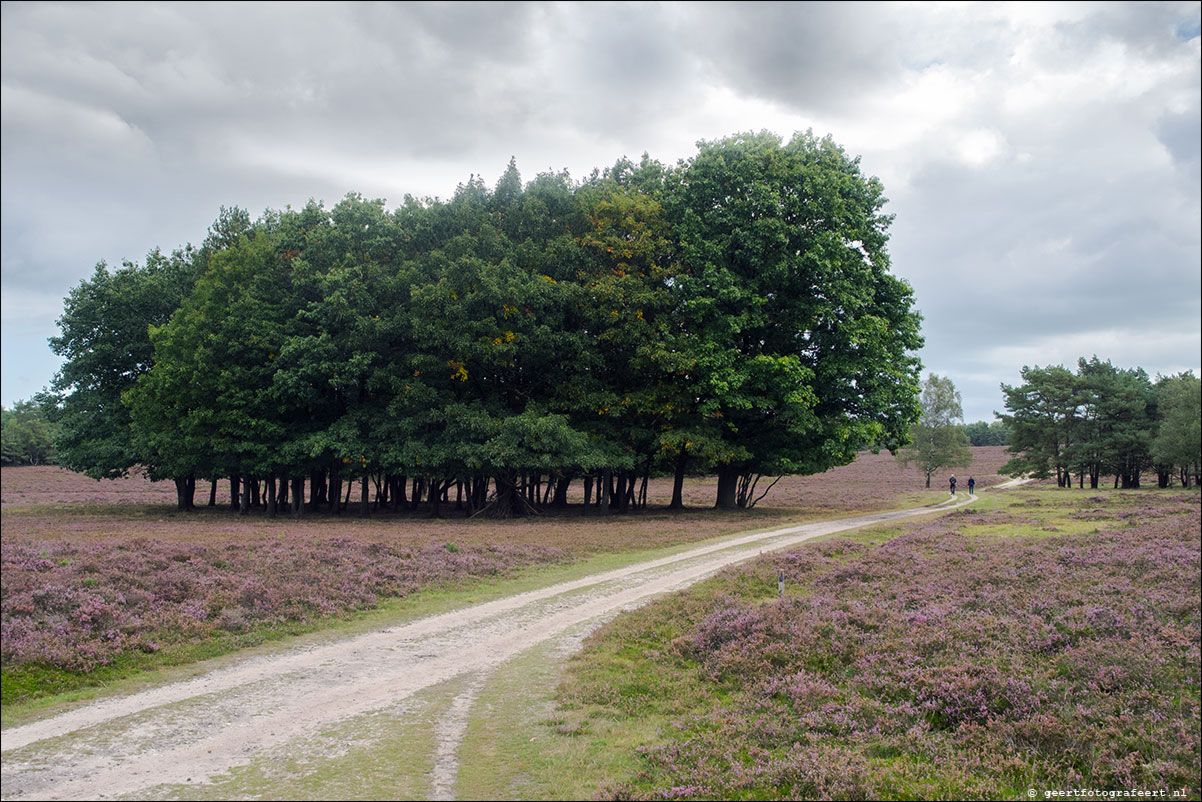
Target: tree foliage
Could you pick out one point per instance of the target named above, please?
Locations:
(798, 339)
(28, 437)
(981, 433)
(937, 439)
(1177, 445)
(1100, 421)
(732, 313)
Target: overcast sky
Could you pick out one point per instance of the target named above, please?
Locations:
(1042, 160)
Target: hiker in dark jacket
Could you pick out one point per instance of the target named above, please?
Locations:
(952, 481)
(972, 484)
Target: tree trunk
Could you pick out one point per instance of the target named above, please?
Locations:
(271, 499)
(213, 493)
(185, 490)
(682, 460)
(511, 501)
(728, 482)
(435, 498)
(606, 492)
(298, 497)
(479, 494)
(560, 499)
(244, 498)
(234, 482)
(334, 492)
(317, 489)
(363, 505)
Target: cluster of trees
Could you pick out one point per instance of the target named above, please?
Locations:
(988, 434)
(1104, 421)
(26, 436)
(734, 313)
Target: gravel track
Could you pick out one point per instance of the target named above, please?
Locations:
(196, 731)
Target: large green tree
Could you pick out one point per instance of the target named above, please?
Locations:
(800, 341)
(1113, 423)
(1178, 441)
(937, 440)
(1043, 420)
(105, 344)
(209, 404)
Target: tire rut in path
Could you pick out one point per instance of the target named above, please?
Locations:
(194, 731)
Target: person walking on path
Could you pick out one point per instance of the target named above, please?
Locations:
(952, 481)
(972, 484)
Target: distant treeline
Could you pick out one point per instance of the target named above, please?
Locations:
(987, 434)
(26, 436)
(731, 314)
(1104, 421)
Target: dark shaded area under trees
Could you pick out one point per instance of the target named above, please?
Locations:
(1104, 421)
(732, 314)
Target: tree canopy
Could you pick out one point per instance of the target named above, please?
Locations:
(28, 438)
(733, 313)
(1103, 420)
(937, 439)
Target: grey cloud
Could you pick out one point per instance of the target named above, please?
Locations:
(835, 57)
(1181, 134)
(127, 125)
(813, 56)
(382, 77)
(1043, 251)
(621, 72)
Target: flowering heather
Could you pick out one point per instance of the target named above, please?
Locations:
(92, 569)
(77, 605)
(939, 664)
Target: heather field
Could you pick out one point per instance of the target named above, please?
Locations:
(1041, 641)
(100, 577)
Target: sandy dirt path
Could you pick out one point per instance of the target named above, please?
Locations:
(192, 733)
